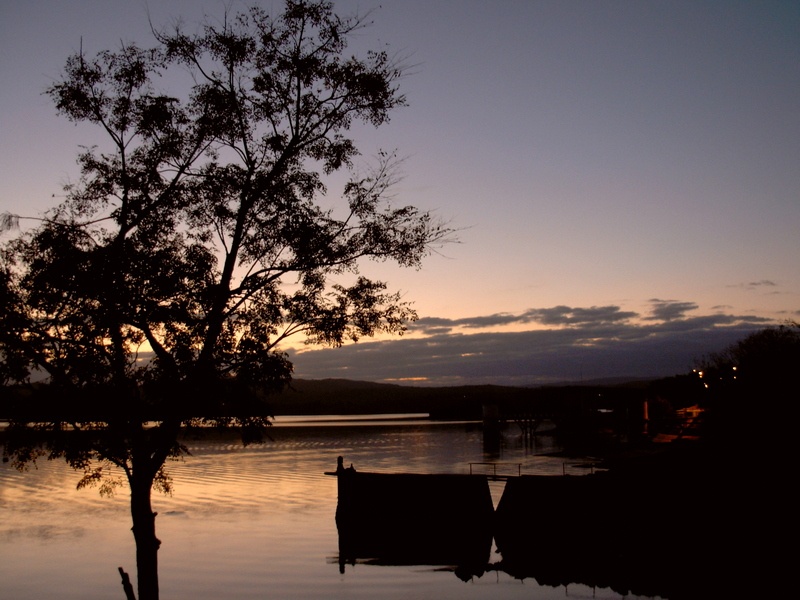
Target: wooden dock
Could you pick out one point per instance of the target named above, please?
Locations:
(408, 518)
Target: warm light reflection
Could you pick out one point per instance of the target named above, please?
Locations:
(242, 519)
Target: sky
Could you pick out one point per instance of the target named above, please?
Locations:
(624, 175)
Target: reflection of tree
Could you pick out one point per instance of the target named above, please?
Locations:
(156, 295)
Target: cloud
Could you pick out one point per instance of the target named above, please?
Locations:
(762, 283)
(669, 310)
(594, 316)
(587, 317)
(582, 344)
(753, 286)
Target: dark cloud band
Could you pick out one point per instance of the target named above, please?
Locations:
(579, 344)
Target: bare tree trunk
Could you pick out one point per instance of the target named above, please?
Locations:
(126, 585)
(144, 532)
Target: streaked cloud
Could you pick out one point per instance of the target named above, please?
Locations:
(763, 282)
(557, 316)
(577, 344)
(754, 286)
(669, 310)
(586, 317)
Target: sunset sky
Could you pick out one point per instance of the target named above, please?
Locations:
(625, 175)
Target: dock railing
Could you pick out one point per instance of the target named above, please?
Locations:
(568, 467)
(490, 469)
(503, 470)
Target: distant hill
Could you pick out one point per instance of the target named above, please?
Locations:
(345, 397)
(349, 397)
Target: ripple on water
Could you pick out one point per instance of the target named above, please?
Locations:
(245, 522)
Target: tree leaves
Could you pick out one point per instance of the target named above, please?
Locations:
(195, 242)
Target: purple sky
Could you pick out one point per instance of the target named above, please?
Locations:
(626, 175)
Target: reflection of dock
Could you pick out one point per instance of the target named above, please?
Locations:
(597, 529)
(495, 471)
(434, 519)
(414, 519)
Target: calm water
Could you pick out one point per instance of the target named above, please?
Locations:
(252, 523)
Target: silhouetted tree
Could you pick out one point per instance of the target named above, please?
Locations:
(751, 386)
(155, 296)
(752, 389)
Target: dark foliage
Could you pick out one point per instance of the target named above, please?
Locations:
(157, 294)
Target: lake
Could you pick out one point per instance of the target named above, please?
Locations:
(257, 522)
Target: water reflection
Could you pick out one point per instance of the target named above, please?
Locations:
(256, 522)
(631, 535)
